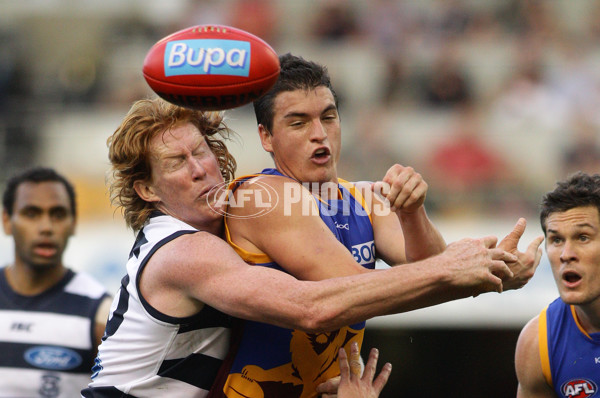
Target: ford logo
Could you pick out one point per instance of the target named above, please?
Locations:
(55, 358)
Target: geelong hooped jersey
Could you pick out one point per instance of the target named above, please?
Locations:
(570, 356)
(274, 362)
(47, 343)
(145, 353)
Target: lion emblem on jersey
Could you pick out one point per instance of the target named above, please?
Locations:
(314, 360)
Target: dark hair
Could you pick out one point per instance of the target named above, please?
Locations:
(579, 190)
(296, 74)
(35, 175)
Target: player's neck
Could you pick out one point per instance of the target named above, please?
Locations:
(589, 317)
(28, 280)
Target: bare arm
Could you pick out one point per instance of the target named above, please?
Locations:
(100, 320)
(403, 231)
(528, 365)
(404, 192)
(202, 268)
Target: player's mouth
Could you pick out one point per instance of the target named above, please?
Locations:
(571, 279)
(206, 191)
(321, 155)
(46, 250)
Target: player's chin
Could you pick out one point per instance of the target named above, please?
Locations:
(571, 297)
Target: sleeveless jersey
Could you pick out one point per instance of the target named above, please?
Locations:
(569, 355)
(145, 353)
(274, 362)
(47, 340)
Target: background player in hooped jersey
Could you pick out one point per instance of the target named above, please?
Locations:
(558, 352)
(52, 319)
(321, 227)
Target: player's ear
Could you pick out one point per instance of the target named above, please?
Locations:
(265, 138)
(6, 222)
(145, 191)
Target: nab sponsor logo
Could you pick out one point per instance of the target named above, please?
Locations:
(55, 358)
(364, 253)
(262, 196)
(207, 57)
(579, 388)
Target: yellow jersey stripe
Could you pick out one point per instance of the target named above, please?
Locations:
(543, 347)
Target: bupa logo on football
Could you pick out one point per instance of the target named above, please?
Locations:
(55, 358)
(207, 57)
(579, 388)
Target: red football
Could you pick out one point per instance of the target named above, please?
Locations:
(211, 67)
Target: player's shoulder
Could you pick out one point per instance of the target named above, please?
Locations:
(186, 253)
(268, 196)
(273, 181)
(531, 327)
(186, 244)
(527, 343)
(362, 186)
(363, 190)
(84, 284)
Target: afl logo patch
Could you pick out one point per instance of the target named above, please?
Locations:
(262, 196)
(579, 388)
(54, 358)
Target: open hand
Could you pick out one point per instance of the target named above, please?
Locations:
(527, 262)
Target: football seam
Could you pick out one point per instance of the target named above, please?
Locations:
(206, 86)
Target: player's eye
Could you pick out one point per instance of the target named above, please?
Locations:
(555, 240)
(584, 238)
(199, 153)
(59, 213)
(30, 212)
(174, 162)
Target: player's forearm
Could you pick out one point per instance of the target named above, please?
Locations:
(403, 288)
(465, 268)
(422, 239)
(330, 304)
(396, 290)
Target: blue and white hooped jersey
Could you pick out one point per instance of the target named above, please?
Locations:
(570, 356)
(47, 341)
(275, 362)
(145, 353)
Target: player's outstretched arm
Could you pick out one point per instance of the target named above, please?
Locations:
(204, 267)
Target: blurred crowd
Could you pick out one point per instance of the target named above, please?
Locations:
(491, 100)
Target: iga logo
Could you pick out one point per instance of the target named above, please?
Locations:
(579, 388)
(207, 57)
